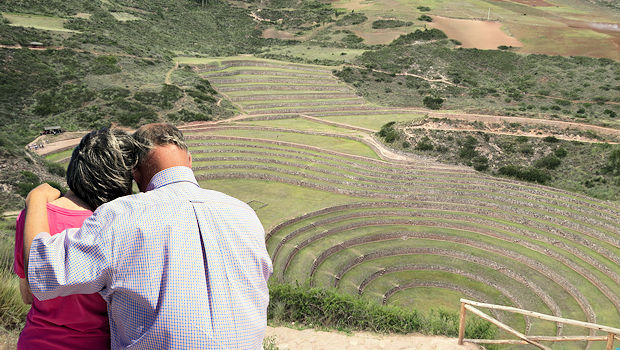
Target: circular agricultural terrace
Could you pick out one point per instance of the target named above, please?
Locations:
(415, 235)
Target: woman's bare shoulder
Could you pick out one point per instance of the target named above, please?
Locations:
(70, 201)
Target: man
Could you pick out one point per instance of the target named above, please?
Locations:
(181, 267)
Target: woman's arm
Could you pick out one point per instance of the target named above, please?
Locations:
(36, 216)
(24, 289)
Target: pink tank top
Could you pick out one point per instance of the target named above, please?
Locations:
(71, 322)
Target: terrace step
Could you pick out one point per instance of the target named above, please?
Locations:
(269, 87)
(352, 102)
(260, 73)
(315, 109)
(284, 80)
(311, 95)
(257, 63)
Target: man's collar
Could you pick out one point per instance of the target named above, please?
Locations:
(172, 175)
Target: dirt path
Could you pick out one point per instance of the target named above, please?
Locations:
(169, 73)
(288, 338)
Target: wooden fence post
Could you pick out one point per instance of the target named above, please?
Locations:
(610, 341)
(462, 324)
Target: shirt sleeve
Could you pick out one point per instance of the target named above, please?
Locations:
(74, 261)
(18, 256)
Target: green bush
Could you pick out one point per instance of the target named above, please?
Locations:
(388, 133)
(560, 152)
(480, 163)
(106, 65)
(389, 23)
(423, 8)
(187, 116)
(613, 162)
(55, 168)
(163, 99)
(424, 144)
(527, 174)
(468, 148)
(551, 139)
(425, 18)
(352, 19)
(432, 102)
(419, 35)
(27, 181)
(548, 162)
(55, 101)
(328, 308)
(352, 39)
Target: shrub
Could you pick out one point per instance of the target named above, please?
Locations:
(551, 139)
(55, 168)
(352, 39)
(163, 99)
(419, 35)
(527, 174)
(433, 102)
(27, 181)
(480, 163)
(67, 97)
(187, 116)
(468, 148)
(388, 133)
(389, 23)
(424, 144)
(526, 148)
(423, 8)
(610, 113)
(549, 162)
(105, 65)
(613, 162)
(352, 19)
(425, 18)
(560, 152)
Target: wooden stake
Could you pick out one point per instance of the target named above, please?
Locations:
(462, 324)
(610, 341)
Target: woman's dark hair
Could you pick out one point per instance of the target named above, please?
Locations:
(100, 168)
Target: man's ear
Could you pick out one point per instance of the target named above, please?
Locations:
(189, 156)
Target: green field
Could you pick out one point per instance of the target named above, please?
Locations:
(38, 22)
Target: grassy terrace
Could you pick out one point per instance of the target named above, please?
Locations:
(439, 230)
(459, 233)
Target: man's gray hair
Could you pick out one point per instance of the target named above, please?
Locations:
(158, 134)
(100, 168)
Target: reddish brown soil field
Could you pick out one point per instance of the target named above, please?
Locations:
(540, 3)
(475, 33)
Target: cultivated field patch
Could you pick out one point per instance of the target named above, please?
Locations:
(37, 21)
(475, 33)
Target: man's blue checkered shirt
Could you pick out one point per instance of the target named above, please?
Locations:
(180, 267)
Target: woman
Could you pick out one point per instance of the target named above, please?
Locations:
(99, 171)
